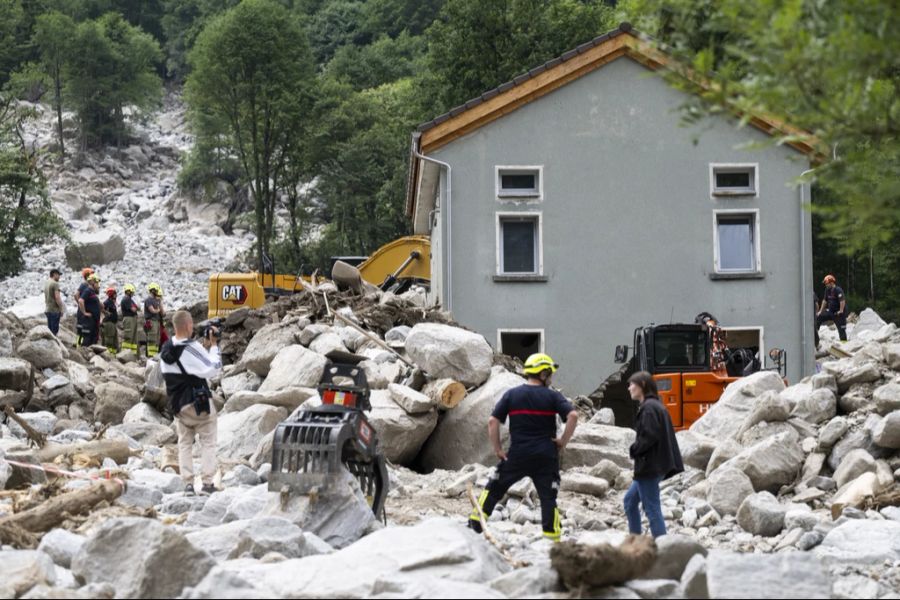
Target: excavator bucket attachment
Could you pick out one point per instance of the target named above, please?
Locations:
(310, 449)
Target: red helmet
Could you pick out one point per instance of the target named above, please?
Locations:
(829, 279)
(110, 292)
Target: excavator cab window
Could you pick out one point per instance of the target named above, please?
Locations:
(681, 350)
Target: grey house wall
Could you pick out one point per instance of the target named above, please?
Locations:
(627, 224)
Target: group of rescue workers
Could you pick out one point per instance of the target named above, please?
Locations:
(97, 320)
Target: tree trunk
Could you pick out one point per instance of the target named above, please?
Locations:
(445, 393)
(114, 449)
(59, 120)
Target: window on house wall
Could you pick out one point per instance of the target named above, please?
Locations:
(737, 242)
(733, 180)
(519, 182)
(520, 343)
(518, 244)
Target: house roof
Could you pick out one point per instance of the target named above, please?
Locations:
(553, 74)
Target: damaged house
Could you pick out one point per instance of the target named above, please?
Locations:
(571, 205)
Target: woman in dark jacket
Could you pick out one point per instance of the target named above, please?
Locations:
(655, 453)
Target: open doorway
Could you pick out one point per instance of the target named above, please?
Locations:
(520, 343)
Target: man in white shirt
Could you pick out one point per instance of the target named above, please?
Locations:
(186, 365)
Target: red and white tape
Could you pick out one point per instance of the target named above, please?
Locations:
(73, 475)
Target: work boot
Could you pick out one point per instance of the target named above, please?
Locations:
(475, 525)
(189, 489)
(207, 489)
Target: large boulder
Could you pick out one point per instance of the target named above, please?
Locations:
(141, 558)
(459, 438)
(855, 463)
(819, 406)
(401, 433)
(265, 345)
(673, 553)
(443, 351)
(832, 431)
(437, 549)
(41, 348)
(771, 463)
(42, 422)
(15, 374)
(861, 541)
(761, 514)
(728, 487)
(869, 322)
(246, 381)
(147, 434)
(593, 442)
(696, 448)
(771, 407)
(289, 398)
(887, 433)
(784, 575)
(725, 418)
(100, 248)
(113, 401)
(257, 537)
(21, 570)
(294, 366)
(337, 512)
(412, 401)
(848, 371)
(892, 356)
(239, 433)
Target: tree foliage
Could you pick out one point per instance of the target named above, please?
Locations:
(250, 85)
(26, 215)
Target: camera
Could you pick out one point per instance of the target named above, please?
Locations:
(214, 327)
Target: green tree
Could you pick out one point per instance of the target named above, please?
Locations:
(383, 61)
(337, 23)
(252, 76)
(51, 37)
(26, 214)
(475, 45)
(110, 67)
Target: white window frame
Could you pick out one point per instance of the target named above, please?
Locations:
(537, 216)
(536, 196)
(714, 192)
(757, 239)
(762, 339)
(538, 330)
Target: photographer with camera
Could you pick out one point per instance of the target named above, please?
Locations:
(186, 365)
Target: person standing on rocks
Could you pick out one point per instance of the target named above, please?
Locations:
(90, 315)
(655, 453)
(186, 365)
(833, 308)
(53, 303)
(534, 448)
(129, 319)
(153, 314)
(110, 319)
(79, 303)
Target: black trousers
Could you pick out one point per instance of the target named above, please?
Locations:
(839, 321)
(544, 473)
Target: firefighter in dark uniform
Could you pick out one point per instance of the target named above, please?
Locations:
(833, 308)
(109, 329)
(534, 447)
(90, 317)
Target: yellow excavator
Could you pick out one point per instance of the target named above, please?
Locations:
(395, 266)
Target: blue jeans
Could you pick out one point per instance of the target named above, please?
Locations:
(53, 322)
(645, 492)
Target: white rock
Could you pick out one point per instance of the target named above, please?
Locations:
(327, 342)
(240, 433)
(854, 464)
(584, 484)
(728, 487)
(887, 433)
(887, 397)
(790, 575)
(113, 401)
(255, 538)
(409, 399)
(443, 351)
(401, 433)
(725, 417)
(141, 558)
(61, 545)
(860, 541)
(14, 374)
(819, 406)
(771, 463)
(246, 381)
(42, 422)
(294, 366)
(832, 432)
(144, 413)
(761, 514)
(20, 570)
(869, 323)
(99, 248)
(265, 345)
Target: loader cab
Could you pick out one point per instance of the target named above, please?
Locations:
(679, 358)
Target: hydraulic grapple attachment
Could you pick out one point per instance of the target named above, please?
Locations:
(309, 450)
